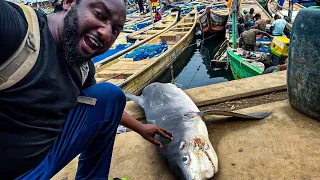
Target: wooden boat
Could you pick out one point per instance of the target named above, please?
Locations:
(141, 36)
(132, 76)
(240, 66)
(274, 8)
(214, 18)
(263, 3)
(258, 9)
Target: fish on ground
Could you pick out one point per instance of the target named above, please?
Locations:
(190, 155)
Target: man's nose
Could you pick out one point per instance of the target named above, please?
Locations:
(105, 32)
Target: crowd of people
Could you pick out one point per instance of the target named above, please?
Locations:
(251, 25)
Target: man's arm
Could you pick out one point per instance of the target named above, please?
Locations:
(13, 28)
(147, 131)
(264, 33)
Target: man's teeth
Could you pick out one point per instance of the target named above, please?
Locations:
(94, 42)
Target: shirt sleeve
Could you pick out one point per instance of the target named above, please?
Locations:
(90, 81)
(13, 28)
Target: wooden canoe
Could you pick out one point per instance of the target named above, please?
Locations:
(274, 8)
(133, 76)
(143, 36)
(214, 18)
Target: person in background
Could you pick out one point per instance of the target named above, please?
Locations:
(260, 23)
(240, 25)
(248, 39)
(277, 27)
(141, 8)
(163, 7)
(157, 16)
(249, 16)
(154, 4)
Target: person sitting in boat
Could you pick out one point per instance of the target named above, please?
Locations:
(277, 27)
(248, 39)
(248, 18)
(157, 16)
(240, 25)
(260, 23)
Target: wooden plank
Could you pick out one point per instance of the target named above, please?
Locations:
(115, 81)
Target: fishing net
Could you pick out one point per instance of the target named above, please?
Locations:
(149, 51)
(111, 52)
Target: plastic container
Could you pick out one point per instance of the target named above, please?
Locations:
(303, 74)
(279, 46)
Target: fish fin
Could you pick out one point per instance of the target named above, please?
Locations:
(258, 115)
(137, 99)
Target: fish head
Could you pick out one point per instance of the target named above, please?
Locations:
(198, 159)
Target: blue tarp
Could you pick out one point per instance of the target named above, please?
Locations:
(140, 25)
(111, 52)
(150, 51)
(130, 11)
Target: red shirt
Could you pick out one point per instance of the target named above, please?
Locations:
(157, 17)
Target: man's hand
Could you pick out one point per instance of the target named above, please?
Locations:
(148, 131)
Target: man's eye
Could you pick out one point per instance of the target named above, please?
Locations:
(116, 31)
(98, 14)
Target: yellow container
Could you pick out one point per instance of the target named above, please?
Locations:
(279, 46)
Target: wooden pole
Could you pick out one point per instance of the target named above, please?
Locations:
(290, 11)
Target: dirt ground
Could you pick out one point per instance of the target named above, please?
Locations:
(249, 102)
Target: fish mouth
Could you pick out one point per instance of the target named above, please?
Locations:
(202, 146)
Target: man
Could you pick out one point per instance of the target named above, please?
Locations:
(260, 23)
(163, 7)
(154, 4)
(157, 16)
(248, 18)
(248, 39)
(240, 25)
(42, 125)
(277, 27)
(141, 8)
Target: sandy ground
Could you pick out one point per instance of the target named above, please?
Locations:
(285, 145)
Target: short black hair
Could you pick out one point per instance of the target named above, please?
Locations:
(257, 15)
(251, 11)
(241, 20)
(276, 17)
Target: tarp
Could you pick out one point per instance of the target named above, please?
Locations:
(149, 51)
(111, 52)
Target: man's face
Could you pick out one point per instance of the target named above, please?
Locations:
(91, 27)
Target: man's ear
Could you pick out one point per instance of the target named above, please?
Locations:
(68, 3)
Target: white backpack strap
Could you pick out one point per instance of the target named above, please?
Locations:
(24, 58)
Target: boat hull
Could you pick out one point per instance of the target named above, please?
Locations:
(240, 68)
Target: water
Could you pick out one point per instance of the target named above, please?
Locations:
(192, 68)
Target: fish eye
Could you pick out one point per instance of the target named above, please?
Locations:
(185, 159)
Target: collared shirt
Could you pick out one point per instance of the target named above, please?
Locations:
(261, 24)
(249, 37)
(279, 26)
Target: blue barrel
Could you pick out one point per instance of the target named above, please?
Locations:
(303, 73)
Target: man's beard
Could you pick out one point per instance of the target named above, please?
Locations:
(70, 41)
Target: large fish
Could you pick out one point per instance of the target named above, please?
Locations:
(190, 155)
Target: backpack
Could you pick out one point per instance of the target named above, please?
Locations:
(25, 57)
